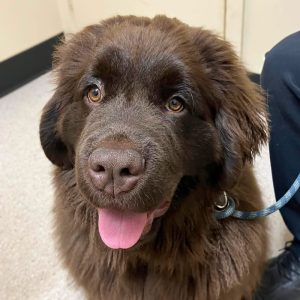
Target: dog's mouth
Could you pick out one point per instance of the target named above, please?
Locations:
(120, 229)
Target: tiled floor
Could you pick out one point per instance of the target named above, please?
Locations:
(29, 266)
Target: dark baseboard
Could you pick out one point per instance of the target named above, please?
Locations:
(27, 65)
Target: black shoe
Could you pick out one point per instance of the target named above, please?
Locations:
(281, 280)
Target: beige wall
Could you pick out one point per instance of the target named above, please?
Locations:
(24, 24)
(266, 22)
(233, 27)
(76, 14)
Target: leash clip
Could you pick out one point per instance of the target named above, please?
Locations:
(222, 202)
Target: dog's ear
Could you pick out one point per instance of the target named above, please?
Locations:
(242, 126)
(51, 141)
(239, 105)
(71, 59)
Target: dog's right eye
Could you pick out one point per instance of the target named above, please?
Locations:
(175, 104)
(95, 94)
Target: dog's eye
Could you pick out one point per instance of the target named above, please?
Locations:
(175, 104)
(95, 94)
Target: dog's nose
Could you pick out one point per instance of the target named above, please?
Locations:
(115, 171)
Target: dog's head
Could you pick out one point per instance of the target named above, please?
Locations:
(143, 107)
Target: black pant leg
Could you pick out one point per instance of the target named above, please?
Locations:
(281, 80)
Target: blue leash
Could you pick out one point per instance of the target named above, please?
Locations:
(230, 211)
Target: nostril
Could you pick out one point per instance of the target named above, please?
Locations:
(125, 172)
(98, 169)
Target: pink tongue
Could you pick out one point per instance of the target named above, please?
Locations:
(120, 229)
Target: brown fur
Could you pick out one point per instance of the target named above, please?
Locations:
(189, 255)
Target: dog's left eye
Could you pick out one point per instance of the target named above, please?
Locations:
(95, 94)
(175, 104)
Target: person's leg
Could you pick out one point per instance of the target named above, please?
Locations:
(280, 79)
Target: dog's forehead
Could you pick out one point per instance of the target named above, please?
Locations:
(140, 52)
(142, 41)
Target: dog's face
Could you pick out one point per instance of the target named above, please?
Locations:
(142, 108)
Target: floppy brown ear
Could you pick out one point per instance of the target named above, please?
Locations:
(70, 59)
(242, 125)
(239, 105)
(53, 146)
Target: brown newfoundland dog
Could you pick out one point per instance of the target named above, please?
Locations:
(151, 121)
